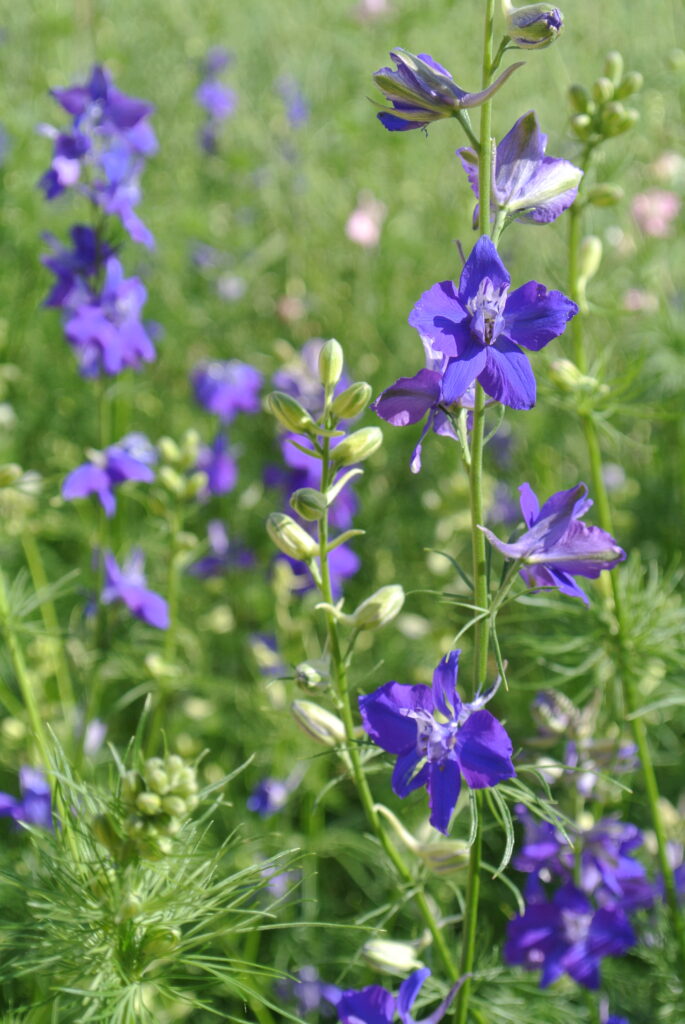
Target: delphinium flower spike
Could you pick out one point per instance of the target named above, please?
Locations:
(438, 739)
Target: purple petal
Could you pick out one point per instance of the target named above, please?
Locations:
(483, 262)
(90, 479)
(371, 1005)
(484, 750)
(445, 694)
(583, 551)
(533, 316)
(408, 991)
(439, 315)
(405, 778)
(530, 506)
(444, 783)
(385, 714)
(462, 371)
(409, 398)
(150, 608)
(507, 376)
(574, 502)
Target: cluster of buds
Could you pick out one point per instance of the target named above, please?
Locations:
(18, 494)
(158, 798)
(600, 113)
(178, 473)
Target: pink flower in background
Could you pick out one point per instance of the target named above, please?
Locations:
(363, 226)
(637, 300)
(668, 167)
(369, 10)
(655, 210)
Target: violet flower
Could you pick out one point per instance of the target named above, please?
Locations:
(271, 795)
(75, 268)
(478, 327)
(526, 184)
(34, 805)
(218, 463)
(436, 751)
(296, 106)
(567, 936)
(216, 99)
(129, 459)
(422, 91)
(375, 1005)
(127, 584)
(557, 546)
(222, 554)
(227, 388)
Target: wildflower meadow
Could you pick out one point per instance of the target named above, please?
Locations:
(342, 628)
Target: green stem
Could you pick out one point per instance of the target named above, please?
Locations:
(25, 686)
(171, 635)
(341, 684)
(480, 583)
(631, 697)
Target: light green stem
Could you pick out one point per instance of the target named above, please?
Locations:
(171, 635)
(341, 684)
(631, 697)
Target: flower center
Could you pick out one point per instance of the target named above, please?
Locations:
(434, 740)
(486, 309)
(576, 926)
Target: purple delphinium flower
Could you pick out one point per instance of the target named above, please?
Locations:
(557, 546)
(526, 184)
(130, 459)
(222, 554)
(217, 99)
(218, 463)
(422, 91)
(75, 268)
(567, 936)
(127, 584)
(34, 805)
(308, 991)
(435, 752)
(409, 399)
(271, 795)
(227, 388)
(106, 330)
(375, 1005)
(480, 328)
(296, 106)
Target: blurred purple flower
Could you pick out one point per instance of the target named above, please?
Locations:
(271, 795)
(437, 738)
(567, 936)
(528, 185)
(217, 99)
(296, 106)
(342, 564)
(308, 991)
(130, 459)
(34, 805)
(557, 546)
(421, 91)
(222, 554)
(480, 328)
(221, 468)
(375, 1005)
(227, 388)
(127, 584)
(75, 268)
(216, 60)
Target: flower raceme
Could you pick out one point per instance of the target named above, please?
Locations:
(422, 91)
(557, 546)
(438, 738)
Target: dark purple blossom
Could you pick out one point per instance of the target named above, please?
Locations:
(526, 184)
(437, 738)
(217, 100)
(479, 328)
(422, 91)
(227, 388)
(127, 584)
(34, 805)
(130, 459)
(557, 546)
(75, 268)
(567, 935)
(375, 1005)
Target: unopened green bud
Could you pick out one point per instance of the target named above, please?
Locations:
(389, 955)
(190, 448)
(631, 83)
(131, 785)
(174, 765)
(308, 503)
(353, 400)
(613, 66)
(589, 257)
(534, 26)
(186, 782)
(317, 722)
(10, 473)
(604, 195)
(174, 806)
(676, 59)
(160, 940)
(289, 413)
(581, 124)
(445, 856)
(172, 480)
(603, 90)
(379, 609)
(290, 538)
(105, 833)
(158, 781)
(312, 675)
(168, 450)
(357, 446)
(130, 907)
(196, 483)
(565, 374)
(579, 98)
(331, 361)
(617, 119)
(148, 803)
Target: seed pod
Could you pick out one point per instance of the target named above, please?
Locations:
(357, 446)
(331, 361)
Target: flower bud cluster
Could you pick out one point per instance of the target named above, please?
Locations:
(158, 798)
(178, 472)
(599, 113)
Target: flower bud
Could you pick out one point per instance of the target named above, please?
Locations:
(445, 856)
(631, 83)
(174, 806)
(534, 26)
(312, 675)
(196, 483)
(605, 194)
(158, 781)
(379, 609)
(168, 450)
(331, 361)
(579, 98)
(589, 257)
(353, 400)
(172, 481)
(9, 474)
(603, 90)
(613, 66)
(289, 413)
(190, 448)
(389, 955)
(309, 503)
(581, 124)
(160, 940)
(290, 538)
(317, 722)
(357, 446)
(130, 907)
(148, 803)
(616, 119)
